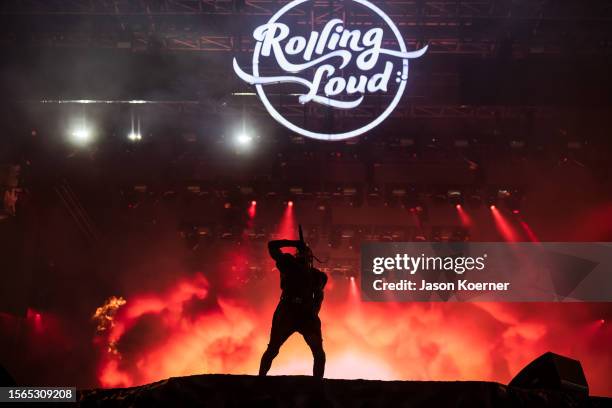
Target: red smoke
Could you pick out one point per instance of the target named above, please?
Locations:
(189, 330)
(220, 323)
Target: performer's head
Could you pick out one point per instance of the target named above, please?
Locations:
(305, 256)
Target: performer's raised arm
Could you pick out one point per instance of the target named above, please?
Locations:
(274, 247)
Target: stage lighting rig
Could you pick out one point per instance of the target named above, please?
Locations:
(514, 200)
(296, 191)
(517, 144)
(395, 196)
(194, 189)
(503, 193)
(407, 142)
(246, 190)
(454, 197)
(474, 198)
(461, 143)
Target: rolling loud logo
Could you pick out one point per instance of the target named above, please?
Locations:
(327, 53)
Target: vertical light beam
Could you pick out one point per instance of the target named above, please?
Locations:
(287, 228)
(252, 209)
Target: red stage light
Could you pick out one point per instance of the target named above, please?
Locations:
(252, 210)
(36, 318)
(354, 291)
(515, 212)
(503, 225)
(466, 221)
(287, 228)
(492, 207)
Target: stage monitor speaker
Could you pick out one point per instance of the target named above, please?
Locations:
(555, 372)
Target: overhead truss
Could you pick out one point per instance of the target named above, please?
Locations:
(472, 27)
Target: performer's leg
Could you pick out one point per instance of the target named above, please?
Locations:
(314, 339)
(281, 330)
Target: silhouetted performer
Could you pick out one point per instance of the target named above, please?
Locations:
(298, 309)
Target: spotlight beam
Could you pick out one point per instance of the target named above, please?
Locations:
(466, 220)
(503, 226)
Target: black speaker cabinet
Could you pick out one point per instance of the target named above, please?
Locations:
(552, 371)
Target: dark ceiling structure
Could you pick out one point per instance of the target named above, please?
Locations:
(510, 71)
(481, 52)
(483, 28)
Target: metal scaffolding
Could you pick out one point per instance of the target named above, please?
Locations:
(468, 27)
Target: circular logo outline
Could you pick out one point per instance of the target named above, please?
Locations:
(344, 135)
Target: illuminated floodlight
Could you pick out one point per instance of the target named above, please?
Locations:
(244, 139)
(290, 203)
(81, 135)
(253, 203)
(134, 136)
